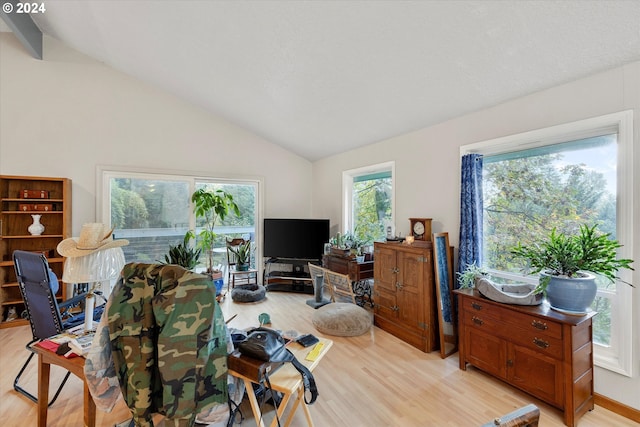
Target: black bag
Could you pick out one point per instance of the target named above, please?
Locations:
(269, 345)
(264, 344)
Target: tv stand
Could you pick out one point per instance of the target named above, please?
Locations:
(289, 275)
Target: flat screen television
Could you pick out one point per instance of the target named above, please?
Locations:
(295, 238)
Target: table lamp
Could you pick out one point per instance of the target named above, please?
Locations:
(93, 269)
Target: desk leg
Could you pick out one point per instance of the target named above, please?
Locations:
(305, 408)
(43, 391)
(255, 406)
(89, 408)
(280, 410)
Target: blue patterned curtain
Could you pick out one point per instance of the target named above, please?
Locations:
(470, 212)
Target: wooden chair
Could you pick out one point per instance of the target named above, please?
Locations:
(527, 416)
(339, 285)
(234, 276)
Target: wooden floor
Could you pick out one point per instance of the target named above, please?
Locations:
(371, 380)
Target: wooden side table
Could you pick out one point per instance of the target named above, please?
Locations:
(286, 380)
(75, 365)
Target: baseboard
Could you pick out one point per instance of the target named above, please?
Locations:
(617, 407)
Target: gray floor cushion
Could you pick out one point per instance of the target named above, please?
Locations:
(342, 319)
(248, 293)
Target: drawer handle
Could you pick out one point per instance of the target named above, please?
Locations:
(476, 306)
(540, 343)
(539, 325)
(399, 286)
(477, 320)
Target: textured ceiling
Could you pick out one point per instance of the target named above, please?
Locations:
(322, 77)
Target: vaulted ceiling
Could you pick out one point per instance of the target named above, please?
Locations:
(322, 77)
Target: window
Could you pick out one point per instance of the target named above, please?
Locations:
(561, 177)
(154, 211)
(368, 201)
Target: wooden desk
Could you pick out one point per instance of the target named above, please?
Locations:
(359, 273)
(287, 380)
(74, 365)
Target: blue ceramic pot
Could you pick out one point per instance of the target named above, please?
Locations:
(573, 295)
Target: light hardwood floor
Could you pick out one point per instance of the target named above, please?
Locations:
(370, 381)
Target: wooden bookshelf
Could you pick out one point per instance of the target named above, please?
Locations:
(48, 197)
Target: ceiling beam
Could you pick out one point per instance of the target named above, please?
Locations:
(23, 27)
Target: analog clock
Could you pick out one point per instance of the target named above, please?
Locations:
(420, 228)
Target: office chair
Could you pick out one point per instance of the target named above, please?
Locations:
(38, 286)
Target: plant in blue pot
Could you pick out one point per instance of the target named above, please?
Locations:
(568, 264)
(243, 255)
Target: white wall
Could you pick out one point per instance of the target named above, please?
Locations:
(427, 170)
(67, 114)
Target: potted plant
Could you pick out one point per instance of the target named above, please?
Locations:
(211, 205)
(473, 272)
(243, 255)
(183, 254)
(567, 264)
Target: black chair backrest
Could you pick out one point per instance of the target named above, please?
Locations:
(32, 272)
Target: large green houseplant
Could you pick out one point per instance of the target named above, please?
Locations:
(183, 254)
(211, 206)
(567, 261)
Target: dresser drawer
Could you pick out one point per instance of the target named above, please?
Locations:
(520, 333)
(543, 327)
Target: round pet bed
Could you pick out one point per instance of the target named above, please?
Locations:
(248, 293)
(342, 320)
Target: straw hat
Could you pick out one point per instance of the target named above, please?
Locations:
(93, 237)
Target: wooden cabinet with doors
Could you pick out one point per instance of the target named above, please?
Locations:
(404, 293)
(20, 198)
(534, 348)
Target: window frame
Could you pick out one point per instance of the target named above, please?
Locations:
(105, 173)
(618, 356)
(348, 177)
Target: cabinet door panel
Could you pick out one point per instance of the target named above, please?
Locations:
(486, 351)
(411, 290)
(385, 269)
(536, 373)
(385, 304)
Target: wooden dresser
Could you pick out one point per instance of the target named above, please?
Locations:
(538, 350)
(404, 293)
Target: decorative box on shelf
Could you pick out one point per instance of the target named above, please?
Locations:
(340, 252)
(34, 194)
(27, 207)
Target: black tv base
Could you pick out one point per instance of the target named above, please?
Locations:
(293, 275)
(297, 288)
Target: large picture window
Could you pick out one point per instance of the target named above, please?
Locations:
(154, 210)
(560, 178)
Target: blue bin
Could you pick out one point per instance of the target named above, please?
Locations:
(219, 284)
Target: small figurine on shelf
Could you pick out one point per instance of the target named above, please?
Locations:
(12, 314)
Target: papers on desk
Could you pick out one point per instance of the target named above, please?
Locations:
(70, 343)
